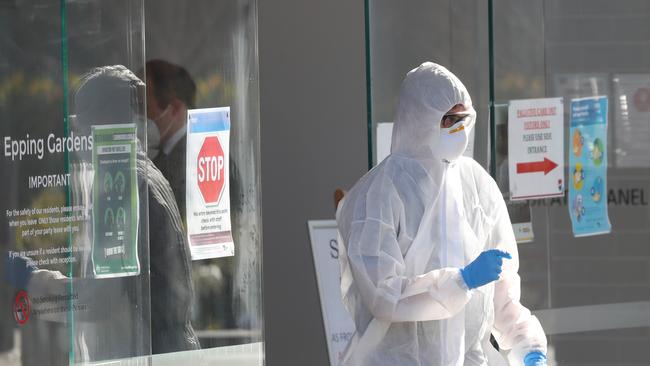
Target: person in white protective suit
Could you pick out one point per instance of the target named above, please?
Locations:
(429, 261)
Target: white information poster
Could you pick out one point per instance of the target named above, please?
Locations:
(339, 326)
(632, 120)
(536, 148)
(521, 219)
(208, 188)
(384, 137)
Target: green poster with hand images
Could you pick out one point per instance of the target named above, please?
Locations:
(115, 201)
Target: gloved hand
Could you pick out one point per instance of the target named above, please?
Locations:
(19, 270)
(485, 268)
(535, 358)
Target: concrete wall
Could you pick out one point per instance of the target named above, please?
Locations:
(313, 127)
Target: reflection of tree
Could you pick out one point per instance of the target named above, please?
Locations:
(213, 87)
(15, 85)
(520, 84)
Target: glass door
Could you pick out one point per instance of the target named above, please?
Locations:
(590, 292)
(100, 261)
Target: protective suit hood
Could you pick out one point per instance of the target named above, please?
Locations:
(426, 94)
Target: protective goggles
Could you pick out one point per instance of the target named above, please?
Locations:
(451, 119)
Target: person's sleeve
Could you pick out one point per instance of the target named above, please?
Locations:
(515, 328)
(378, 268)
(171, 281)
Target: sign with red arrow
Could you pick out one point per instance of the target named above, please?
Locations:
(536, 148)
(537, 166)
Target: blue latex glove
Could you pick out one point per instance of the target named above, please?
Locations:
(484, 269)
(19, 271)
(535, 358)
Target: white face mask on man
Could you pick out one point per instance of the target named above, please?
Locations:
(154, 134)
(153, 139)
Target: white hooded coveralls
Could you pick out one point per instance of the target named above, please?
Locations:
(406, 229)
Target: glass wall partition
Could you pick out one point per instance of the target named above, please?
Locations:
(402, 35)
(591, 292)
(104, 140)
(205, 56)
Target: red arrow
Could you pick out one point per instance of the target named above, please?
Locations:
(536, 166)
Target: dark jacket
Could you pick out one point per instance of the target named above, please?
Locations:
(171, 282)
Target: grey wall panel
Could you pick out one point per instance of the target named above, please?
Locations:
(313, 126)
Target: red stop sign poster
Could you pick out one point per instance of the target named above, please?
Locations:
(210, 169)
(207, 191)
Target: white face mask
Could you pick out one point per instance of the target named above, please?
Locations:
(153, 139)
(452, 142)
(162, 116)
(154, 134)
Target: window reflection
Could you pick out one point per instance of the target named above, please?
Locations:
(204, 56)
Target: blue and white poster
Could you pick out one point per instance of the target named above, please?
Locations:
(588, 167)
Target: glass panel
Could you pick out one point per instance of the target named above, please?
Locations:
(205, 56)
(74, 223)
(591, 293)
(427, 31)
(92, 233)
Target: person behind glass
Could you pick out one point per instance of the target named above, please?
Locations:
(429, 259)
(169, 260)
(115, 324)
(170, 93)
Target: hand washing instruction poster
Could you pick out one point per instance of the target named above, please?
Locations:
(208, 187)
(115, 201)
(588, 166)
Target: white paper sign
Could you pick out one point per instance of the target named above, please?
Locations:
(521, 219)
(536, 148)
(384, 137)
(339, 326)
(208, 188)
(632, 134)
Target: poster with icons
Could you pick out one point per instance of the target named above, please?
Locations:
(587, 179)
(115, 201)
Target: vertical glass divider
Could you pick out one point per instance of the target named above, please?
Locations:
(492, 146)
(66, 163)
(368, 83)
